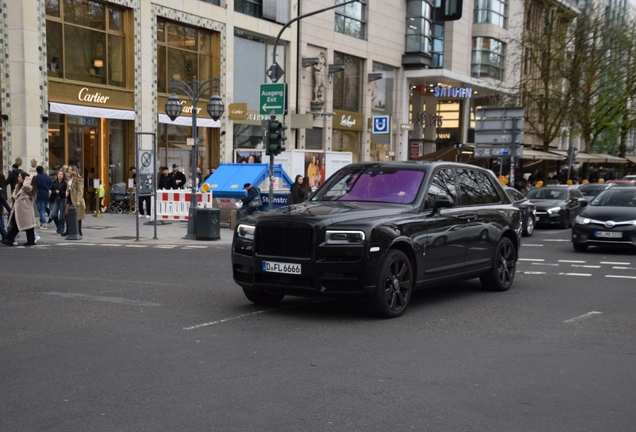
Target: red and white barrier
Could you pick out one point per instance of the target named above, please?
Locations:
(175, 205)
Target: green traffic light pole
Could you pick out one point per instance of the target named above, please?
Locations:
(275, 78)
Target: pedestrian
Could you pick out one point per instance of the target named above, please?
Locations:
(140, 199)
(306, 186)
(12, 178)
(177, 177)
(44, 184)
(22, 218)
(75, 196)
(196, 183)
(3, 205)
(100, 193)
(3, 184)
(58, 201)
(199, 176)
(208, 173)
(164, 179)
(247, 209)
(297, 192)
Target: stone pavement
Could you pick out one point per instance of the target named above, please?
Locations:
(120, 229)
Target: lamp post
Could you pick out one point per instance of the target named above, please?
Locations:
(215, 109)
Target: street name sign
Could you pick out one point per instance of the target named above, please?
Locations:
(482, 151)
(273, 99)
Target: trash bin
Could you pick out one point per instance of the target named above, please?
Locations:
(208, 224)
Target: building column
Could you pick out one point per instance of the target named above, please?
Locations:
(27, 79)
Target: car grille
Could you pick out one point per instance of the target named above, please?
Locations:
(284, 242)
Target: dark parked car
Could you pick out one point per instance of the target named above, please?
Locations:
(557, 204)
(378, 231)
(610, 219)
(528, 210)
(591, 190)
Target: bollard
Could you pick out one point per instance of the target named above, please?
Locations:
(72, 227)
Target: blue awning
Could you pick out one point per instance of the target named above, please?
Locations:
(228, 179)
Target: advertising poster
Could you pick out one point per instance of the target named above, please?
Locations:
(315, 165)
(249, 157)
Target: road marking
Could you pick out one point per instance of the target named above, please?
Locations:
(545, 264)
(572, 261)
(620, 277)
(102, 298)
(165, 247)
(615, 263)
(137, 246)
(580, 317)
(533, 273)
(556, 240)
(586, 266)
(531, 259)
(224, 320)
(576, 274)
(195, 247)
(527, 244)
(109, 244)
(624, 268)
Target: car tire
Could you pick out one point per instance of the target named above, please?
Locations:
(566, 222)
(394, 285)
(262, 298)
(579, 247)
(529, 229)
(502, 273)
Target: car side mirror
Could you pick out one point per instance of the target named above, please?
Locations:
(583, 202)
(442, 201)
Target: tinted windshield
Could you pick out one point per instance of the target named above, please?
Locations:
(616, 198)
(547, 194)
(377, 184)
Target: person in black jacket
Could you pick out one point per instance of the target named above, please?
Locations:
(177, 177)
(297, 192)
(246, 210)
(58, 201)
(3, 205)
(165, 182)
(12, 179)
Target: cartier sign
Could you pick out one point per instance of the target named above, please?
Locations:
(238, 111)
(85, 95)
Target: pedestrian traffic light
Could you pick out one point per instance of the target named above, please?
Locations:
(275, 138)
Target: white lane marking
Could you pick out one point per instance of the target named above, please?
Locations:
(545, 264)
(102, 298)
(556, 240)
(615, 263)
(137, 246)
(620, 277)
(195, 247)
(165, 247)
(531, 259)
(533, 273)
(580, 317)
(109, 244)
(526, 244)
(586, 266)
(572, 261)
(624, 268)
(576, 274)
(224, 320)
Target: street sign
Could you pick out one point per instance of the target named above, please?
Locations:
(275, 72)
(380, 124)
(503, 124)
(407, 126)
(273, 99)
(496, 112)
(497, 137)
(482, 151)
(190, 141)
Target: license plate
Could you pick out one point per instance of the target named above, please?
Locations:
(608, 234)
(278, 267)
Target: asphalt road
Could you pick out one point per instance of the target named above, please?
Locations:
(117, 338)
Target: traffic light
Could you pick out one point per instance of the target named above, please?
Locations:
(275, 137)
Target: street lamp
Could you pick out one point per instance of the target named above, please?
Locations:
(215, 109)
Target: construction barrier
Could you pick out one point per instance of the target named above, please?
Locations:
(175, 205)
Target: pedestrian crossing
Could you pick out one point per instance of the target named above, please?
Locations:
(576, 268)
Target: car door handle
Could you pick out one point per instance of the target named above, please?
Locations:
(467, 218)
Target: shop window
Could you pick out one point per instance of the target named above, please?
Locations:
(493, 12)
(347, 141)
(248, 136)
(172, 147)
(118, 171)
(183, 52)
(383, 90)
(350, 18)
(488, 58)
(86, 41)
(347, 85)
(449, 112)
(418, 27)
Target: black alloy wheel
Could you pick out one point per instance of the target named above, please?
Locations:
(262, 298)
(529, 229)
(504, 264)
(394, 285)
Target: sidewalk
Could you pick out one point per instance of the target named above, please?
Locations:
(121, 229)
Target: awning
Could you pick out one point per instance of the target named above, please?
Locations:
(187, 121)
(610, 158)
(529, 154)
(631, 158)
(582, 157)
(86, 111)
(229, 178)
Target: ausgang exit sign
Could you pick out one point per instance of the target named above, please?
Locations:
(273, 99)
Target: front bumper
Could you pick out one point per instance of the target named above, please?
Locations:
(589, 235)
(543, 217)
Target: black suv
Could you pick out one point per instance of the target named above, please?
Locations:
(378, 231)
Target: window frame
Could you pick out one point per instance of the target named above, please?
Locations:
(341, 14)
(490, 11)
(479, 50)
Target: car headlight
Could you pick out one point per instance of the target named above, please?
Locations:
(245, 231)
(344, 237)
(553, 210)
(582, 220)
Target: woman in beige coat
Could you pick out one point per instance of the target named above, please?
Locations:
(75, 194)
(22, 216)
